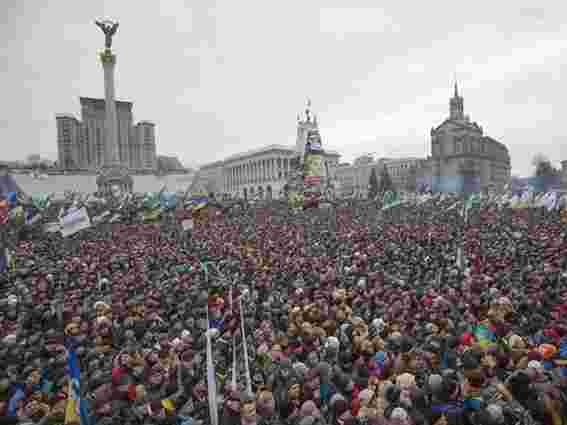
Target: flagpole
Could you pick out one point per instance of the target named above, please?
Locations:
(245, 349)
(211, 376)
(230, 304)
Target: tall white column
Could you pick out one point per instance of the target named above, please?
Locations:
(262, 171)
(111, 154)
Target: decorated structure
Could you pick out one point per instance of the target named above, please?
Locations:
(265, 173)
(311, 177)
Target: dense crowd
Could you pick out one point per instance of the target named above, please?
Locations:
(349, 315)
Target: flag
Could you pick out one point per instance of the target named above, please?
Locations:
(151, 215)
(10, 260)
(473, 201)
(17, 215)
(76, 411)
(151, 201)
(4, 212)
(12, 198)
(3, 260)
(13, 403)
(391, 200)
(40, 202)
(168, 200)
(30, 218)
(550, 200)
(484, 335)
(74, 221)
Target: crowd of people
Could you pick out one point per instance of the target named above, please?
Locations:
(343, 315)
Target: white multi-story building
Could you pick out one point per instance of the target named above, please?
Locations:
(259, 173)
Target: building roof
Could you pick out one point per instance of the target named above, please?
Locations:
(265, 149)
(90, 100)
(495, 142)
(259, 151)
(65, 116)
(458, 123)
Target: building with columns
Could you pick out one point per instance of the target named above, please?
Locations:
(263, 173)
(260, 173)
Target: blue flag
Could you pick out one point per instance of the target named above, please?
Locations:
(168, 200)
(3, 261)
(13, 403)
(77, 407)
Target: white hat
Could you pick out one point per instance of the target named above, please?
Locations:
(534, 364)
(101, 303)
(10, 339)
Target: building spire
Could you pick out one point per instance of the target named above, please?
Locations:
(456, 103)
(455, 85)
(308, 110)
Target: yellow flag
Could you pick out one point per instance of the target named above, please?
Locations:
(71, 415)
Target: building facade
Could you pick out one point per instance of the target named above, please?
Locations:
(81, 143)
(262, 173)
(564, 175)
(68, 140)
(169, 163)
(462, 157)
(354, 179)
(143, 155)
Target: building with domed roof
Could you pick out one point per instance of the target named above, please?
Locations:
(463, 158)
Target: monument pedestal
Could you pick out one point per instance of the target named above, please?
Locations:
(114, 176)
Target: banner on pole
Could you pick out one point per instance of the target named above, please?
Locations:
(74, 222)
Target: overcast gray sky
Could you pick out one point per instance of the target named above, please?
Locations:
(220, 77)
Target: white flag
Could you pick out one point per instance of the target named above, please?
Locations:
(74, 222)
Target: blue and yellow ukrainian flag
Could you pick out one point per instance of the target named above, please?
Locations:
(77, 407)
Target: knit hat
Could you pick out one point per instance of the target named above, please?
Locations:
(435, 384)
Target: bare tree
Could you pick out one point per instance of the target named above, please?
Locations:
(546, 175)
(411, 183)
